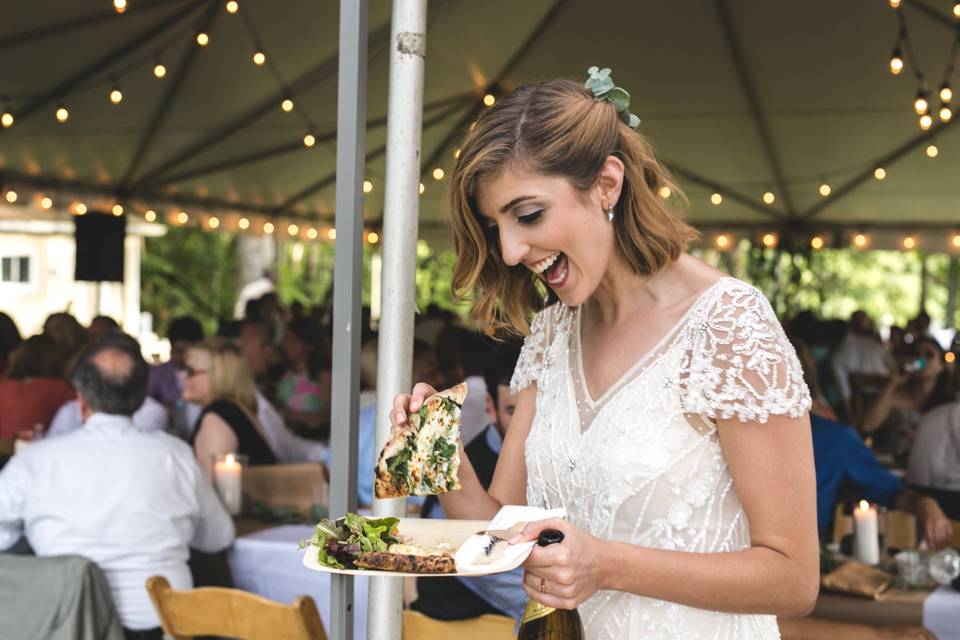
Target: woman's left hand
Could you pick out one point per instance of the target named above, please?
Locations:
(565, 574)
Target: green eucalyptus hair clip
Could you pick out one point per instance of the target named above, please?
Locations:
(600, 84)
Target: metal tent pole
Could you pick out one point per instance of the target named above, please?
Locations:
(348, 274)
(401, 208)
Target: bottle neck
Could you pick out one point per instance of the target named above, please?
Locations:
(536, 610)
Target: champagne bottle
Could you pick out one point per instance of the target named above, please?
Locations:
(545, 623)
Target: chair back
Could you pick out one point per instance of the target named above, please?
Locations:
(216, 611)
(299, 485)
(417, 626)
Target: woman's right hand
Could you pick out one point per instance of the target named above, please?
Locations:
(406, 404)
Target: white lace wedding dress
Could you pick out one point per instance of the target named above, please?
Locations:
(642, 464)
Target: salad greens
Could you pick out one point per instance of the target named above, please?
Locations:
(339, 541)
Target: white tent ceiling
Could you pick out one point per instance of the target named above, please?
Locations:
(740, 96)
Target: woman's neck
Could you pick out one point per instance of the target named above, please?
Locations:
(622, 292)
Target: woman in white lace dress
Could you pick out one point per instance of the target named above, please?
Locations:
(659, 401)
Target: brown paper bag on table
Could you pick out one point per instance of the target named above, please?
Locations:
(858, 579)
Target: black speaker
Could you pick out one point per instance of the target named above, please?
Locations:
(99, 239)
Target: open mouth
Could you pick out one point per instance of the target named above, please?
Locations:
(556, 274)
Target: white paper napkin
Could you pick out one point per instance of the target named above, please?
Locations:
(513, 554)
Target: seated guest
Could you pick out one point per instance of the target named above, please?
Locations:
(34, 388)
(303, 393)
(130, 501)
(935, 457)
(216, 377)
(150, 416)
(164, 384)
(101, 326)
(9, 340)
(67, 332)
(460, 598)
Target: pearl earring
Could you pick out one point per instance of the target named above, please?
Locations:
(610, 213)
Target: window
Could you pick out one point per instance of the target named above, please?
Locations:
(15, 269)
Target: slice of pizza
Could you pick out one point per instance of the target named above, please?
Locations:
(422, 458)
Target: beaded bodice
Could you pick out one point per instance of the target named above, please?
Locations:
(642, 463)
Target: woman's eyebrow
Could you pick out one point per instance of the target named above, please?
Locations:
(514, 203)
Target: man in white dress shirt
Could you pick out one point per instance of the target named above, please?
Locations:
(133, 502)
(150, 416)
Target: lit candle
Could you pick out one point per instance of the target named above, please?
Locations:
(227, 474)
(866, 531)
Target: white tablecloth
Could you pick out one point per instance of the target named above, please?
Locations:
(941, 613)
(268, 563)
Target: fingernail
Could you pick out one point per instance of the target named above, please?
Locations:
(399, 417)
(514, 540)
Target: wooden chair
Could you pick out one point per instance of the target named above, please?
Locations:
(215, 611)
(417, 626)
(298, 485)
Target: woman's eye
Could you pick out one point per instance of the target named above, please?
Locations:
(530, 218)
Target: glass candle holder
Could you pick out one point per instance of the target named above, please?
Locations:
(228, 479)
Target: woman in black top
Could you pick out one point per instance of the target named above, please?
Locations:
(216, 377)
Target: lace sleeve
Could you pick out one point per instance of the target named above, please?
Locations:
(532, 355)
(741, 364)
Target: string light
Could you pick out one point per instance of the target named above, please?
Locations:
(956, 10)
(268, 228)
(716, 199)
(287, 105)
(932, 151)
(946, 93)
(769, 240)
(665, 192)
(120, 5)
(909, 242)
(367, 186)
(722, 241)
(438, 174)
(259, 57)
(769, 198)
(926, 121)
(213, 222)
(6, 119)
(423, 188)
(312, 233)
(45, 202)
(243, 223)
(896, 62)
(816, 242)
(860, 241)
(11, 196)
(117, 210)
(373, 237)
(895, 4)
(80, 209)
(150, 215)
(921, 105)
(456, 153)
(949, 357)
(293, 229)
(159, 70)
(309, 140)
(332, 233)
(182, 217)
(232, 6)
(203, 39)
(489, 100)
(116, 96)
(62, 114)
(946, 113)
(824, 189)
(879, 173)
(955, 241)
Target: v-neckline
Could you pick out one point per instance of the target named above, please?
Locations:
(621, 380)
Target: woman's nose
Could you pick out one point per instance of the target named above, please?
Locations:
(512, 247)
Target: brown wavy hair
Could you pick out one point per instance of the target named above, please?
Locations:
(554, 128)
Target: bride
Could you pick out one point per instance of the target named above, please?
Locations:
(660, 403)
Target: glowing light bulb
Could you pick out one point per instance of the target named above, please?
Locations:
(332, 233)
(956, 10)
(232, 6)
(921, 105)
(665, 192)
(423, 188)
(946, 113)
(860, 241)
(45, 202)
(895, 4)
(287, 105)
(293, 229)
(259, 58)
(879, 173)
(6, 119)
(182, 217)
(159, 70)
(373, 237)
(312, 233)
(932, 151)
(926, 121)
(150, 215)
(716, 199)
(896, 62)
(11, 196)
(456, 153)
(309, 140)
(203, 39)
(120, 5)
(116, 96)
(770, 240)
(213, 222)
(949, 357)
(769, 198)
(117, 210)
(80, 209)
(909, 242)
(722, 241)
(367, 186)
(955, 240)
(243, 223)
(824, 189)
(62, 114)
(438, 174)
(489, 100)
(268, 227)
(816, 242)
(946, 93)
